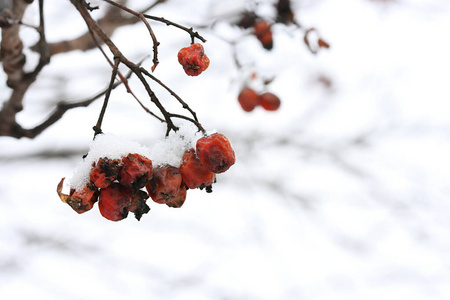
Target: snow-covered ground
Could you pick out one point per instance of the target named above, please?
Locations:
(341, 194)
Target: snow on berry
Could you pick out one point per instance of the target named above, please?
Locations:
(104, 145)
(115, 171)
(170, 150)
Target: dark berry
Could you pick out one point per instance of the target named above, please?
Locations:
(138, 204)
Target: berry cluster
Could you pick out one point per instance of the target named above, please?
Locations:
(193, 59)
(123, 185)
(248, 99)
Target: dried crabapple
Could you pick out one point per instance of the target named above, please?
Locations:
(248, 99)
(193, 173)
(179, 198)
(165, 184)
(215, 152)
(263, 33)
(136, 170)
(104, 171)
(138, 205)
(193, 59)
(269, 101)
(81, 200)
(117, 200)
(114, 201)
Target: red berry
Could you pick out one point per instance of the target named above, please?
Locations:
(117, 200)
(136, 171)
(193, 173)
(114, 202)
(248, 99)
(165, 184)
(269, 101)
(104, 172)
(80, 200)
(215, 153)
(263, 33)
(179, 198)
(193, 59)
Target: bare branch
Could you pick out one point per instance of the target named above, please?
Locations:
(13, 61)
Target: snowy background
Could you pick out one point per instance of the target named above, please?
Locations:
(341, 194)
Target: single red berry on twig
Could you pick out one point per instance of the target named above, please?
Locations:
(215, 153)
(269, 101)
(193, 59)
(193, 173)
(248, 99)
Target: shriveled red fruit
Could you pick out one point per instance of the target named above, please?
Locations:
(81, 200)
(165, 184)
(248, 99)
(136, 170)
(215, 153)
(193, 59)
(179, 198)
(269, 101)
(114, 202)
(193, 173)
(104, 171)
(263, 33)
(138, 205)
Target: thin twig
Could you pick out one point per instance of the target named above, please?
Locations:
(98, 126)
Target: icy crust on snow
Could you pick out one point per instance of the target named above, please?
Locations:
(166, 152)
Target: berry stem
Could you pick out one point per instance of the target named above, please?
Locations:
(98, 127)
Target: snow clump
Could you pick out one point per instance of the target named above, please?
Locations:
(166, 152)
